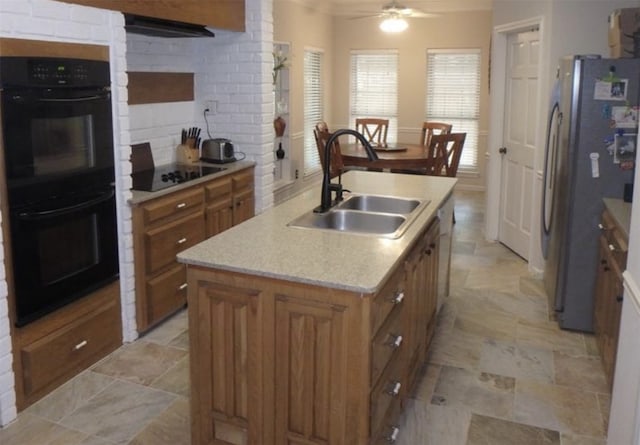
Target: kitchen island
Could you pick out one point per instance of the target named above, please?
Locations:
(307, 336)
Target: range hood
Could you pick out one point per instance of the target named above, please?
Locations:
(150, 26)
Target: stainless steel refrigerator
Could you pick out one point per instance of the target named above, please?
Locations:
(590, 94)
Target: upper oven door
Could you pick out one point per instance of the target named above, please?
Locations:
(55, 132)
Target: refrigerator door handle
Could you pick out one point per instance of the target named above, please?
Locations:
(549, 173)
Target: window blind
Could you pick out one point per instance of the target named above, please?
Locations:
(313, 108)
(374, 88)
(453, 96)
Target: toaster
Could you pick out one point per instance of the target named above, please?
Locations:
(218, 151)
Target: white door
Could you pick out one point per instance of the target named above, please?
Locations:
(518, 149)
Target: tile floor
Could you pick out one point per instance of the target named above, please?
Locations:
(500, 371)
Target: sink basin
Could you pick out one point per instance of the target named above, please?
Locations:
(383, 216)
(347, 221)
(383, 204)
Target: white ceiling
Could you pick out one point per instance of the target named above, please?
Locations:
(360, 7)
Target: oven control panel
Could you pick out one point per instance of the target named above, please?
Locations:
(52, 72)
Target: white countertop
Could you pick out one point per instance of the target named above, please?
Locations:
(621, 212)
(266, 246)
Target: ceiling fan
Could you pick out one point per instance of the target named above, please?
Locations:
(396, 10)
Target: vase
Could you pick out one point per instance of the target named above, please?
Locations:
(279, 125)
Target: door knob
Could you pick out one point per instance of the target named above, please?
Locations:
(502, 150)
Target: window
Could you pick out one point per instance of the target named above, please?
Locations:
(374, 88)
(313, 107)
(453, 96)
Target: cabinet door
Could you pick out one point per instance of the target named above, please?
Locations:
(226, 325)
(219, 207)
(243, 207)
(310, 376)
(224, 14)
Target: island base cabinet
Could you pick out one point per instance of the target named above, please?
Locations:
(276, 362)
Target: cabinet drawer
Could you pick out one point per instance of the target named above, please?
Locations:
(75, 346)
(391, 295)
(389, 389)
(387, 343)
(175, 206)
(243, 181)
(389, 430)
(163, 244)
(167, 292)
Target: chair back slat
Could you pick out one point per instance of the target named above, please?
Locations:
(431, 128)
(447, 148)
(322, 135)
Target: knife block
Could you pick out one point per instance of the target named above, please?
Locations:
(187, 154)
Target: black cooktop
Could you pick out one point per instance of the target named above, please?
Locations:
(164, 176)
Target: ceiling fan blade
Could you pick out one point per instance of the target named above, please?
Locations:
(368, 16)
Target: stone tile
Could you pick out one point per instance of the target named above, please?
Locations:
(456, 349)
(488, 430)
(93, 440)
(486, 323)
(181, 341)
(463, 247)
(547, 335)
(572, 439)
(604, 402)
(424, 389)
(481, 392)
(169, 329)
(581, 372)
(559, 408)
(70, 396)
(176, 379)
(140, 362)
(591, 344)
(533, 286)
(520, 362)
(119, 412)
(169, 428)
(28, 429)
(425, 424)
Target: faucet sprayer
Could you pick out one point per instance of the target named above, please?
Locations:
(325, 203)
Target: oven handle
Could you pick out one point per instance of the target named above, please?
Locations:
(32, 216)
(75, 99)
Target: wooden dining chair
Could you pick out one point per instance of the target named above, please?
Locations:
(448, 149)
(431, 128)
(374, 130)
(322, 135)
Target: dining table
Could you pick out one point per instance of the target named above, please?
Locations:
(399, 155)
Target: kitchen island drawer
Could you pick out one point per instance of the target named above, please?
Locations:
(167, 292)
(164, 243)
(387, 344)
(391, 295)
(69, 349)
(174, 206)
(219, 190)
(243, 181)
(388, 390)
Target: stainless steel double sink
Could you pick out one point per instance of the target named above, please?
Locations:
(376, 215)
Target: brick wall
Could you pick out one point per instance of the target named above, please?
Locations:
(233, 68)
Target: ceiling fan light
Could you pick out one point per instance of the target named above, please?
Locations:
(394, 24)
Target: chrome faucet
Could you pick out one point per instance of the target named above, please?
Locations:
(327, 186)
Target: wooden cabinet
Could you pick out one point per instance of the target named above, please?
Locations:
(276, 362)
(223, 14)
(54, 348)
(612, 260)
(164, 226)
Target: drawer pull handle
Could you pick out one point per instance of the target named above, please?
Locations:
(612, 247)
(391, 438)
(80, 345)
(183, 286)
(182, 240)
(395, 390)
(182, 205)
(395, 344)
(600, 226)
(397, 299)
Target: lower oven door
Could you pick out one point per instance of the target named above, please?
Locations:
(63, 249)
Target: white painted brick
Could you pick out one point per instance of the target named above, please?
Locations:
(80, 31)
(8, 410)
(30, 27)
(50, 10)
(92, 16)
(15, 7)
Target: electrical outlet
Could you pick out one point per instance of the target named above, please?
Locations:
(211, 106)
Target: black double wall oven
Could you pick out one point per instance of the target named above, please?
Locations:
(57, 136)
